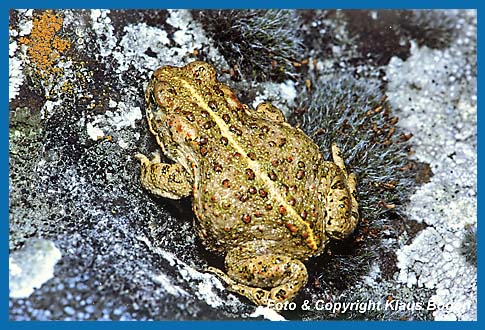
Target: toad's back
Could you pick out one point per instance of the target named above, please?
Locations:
(262, 185)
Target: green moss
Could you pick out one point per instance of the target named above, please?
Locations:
(261, 44)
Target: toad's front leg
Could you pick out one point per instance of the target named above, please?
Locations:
(165, 180)
(265, 280)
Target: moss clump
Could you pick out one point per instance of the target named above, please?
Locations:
(432, 28)
(385, 33)
(354, 113)
(469, 245)
(259, 44)
(377, 35)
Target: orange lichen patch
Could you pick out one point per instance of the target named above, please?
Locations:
(45, 47)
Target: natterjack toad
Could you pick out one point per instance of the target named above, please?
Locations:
(262, 193)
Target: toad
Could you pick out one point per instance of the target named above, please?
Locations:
(263, 195)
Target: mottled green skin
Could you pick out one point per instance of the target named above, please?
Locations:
(262, 193)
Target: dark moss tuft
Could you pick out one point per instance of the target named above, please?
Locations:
(354, 113)
(261, 43)
(469, 245)
(432, 28)
(377, 34)
(386, 33)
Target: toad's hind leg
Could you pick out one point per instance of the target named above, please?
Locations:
(343, 214)
(264, 280)
(165, 180)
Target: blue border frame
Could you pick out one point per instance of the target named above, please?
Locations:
(222, 4)
(144, 4)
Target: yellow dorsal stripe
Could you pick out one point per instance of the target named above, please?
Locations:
(252, 164)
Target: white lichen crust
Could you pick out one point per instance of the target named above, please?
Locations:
(435, 91)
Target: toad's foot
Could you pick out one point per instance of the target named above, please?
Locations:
(165, 180)
(342, 210)
(265, 280)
